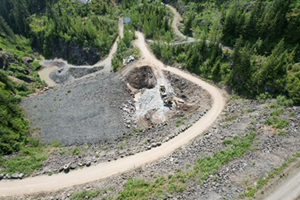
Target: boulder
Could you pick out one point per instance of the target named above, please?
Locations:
(15, 176)
(88, 163)
(27, 59)
(21, 175)
(73, 166)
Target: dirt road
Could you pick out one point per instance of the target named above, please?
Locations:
(176, 19)
(105, 170)
(44, 75)
(175, 22)
(289, 190)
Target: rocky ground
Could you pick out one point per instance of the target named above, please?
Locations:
(239, 118)
(86, 112)
(81, 116)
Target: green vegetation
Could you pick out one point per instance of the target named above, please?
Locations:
(251, 191)
(125, 48)
(14, 128)
(282, 133)
(202, 169)
(30, 161)
(260, 62)
(150, 17)
(276, 122)
(88, 25)
(83, 194)
(76, 151)
(56, 143)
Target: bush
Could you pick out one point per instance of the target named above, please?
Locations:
(76, 151)
(282, 133)
(263, 96)
(83, 194)
(56, 143)
(282, 123)
(36, 65)
(282, 100)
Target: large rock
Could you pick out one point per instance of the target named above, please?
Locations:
(15, 176)
(27, 60)
(6, 59)
(21, 175)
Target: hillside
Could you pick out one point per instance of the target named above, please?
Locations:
(189, 100)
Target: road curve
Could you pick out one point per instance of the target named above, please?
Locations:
(176, 19)
(104, 170)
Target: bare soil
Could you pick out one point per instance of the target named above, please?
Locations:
(142, 77)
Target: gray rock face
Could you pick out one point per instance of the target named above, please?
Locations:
(6, 59)
(75, 54)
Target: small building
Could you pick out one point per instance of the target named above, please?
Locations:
(127, 20)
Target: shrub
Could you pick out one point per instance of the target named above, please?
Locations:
(76, 151)
(282, 123)
(282, 100)
(282, 133)
(83, 194)
(277, 112)
(36, 65)
(56, 143)
(31, 160)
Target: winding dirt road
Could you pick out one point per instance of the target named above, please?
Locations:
(105, 170)
(176, 19)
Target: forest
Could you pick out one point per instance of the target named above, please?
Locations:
(264, 36)
(46, 22)
(14, 128)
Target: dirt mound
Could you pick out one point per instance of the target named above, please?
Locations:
(142, 77)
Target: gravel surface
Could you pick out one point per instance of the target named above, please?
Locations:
(81, 113)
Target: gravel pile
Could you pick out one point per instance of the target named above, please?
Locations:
(81, 113)
(68, 74)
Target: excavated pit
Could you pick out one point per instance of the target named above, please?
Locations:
(142, 77)
(150, 108)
